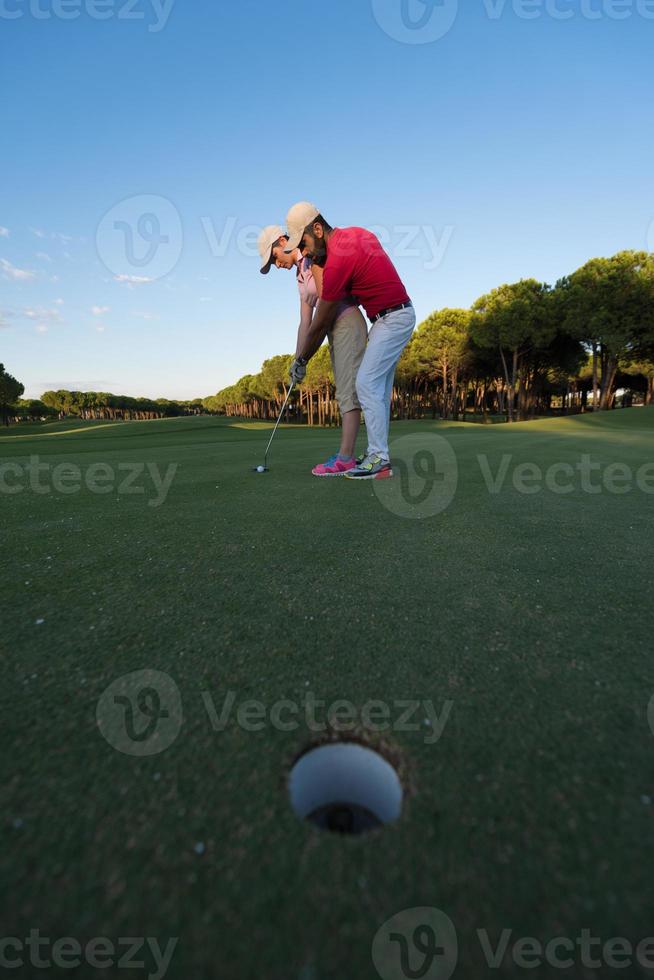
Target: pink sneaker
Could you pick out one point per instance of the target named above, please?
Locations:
(334, 467)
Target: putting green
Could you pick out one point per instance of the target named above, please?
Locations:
(520, 621)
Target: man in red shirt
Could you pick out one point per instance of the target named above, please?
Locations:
(355, 264)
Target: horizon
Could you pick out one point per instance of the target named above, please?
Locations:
(192, 138)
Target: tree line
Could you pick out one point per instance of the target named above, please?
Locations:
(524, 349)
(104, 405)
(85, 404)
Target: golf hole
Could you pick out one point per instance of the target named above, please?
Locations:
(346, 788)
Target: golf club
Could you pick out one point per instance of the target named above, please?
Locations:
(264, 468)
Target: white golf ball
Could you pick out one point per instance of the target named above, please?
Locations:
(261, 469)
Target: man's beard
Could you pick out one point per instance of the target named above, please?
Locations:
(319, 254)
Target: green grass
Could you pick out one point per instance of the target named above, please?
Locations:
(531, 613)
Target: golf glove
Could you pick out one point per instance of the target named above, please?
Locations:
(298, 370)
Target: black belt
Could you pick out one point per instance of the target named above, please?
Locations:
(391, 309)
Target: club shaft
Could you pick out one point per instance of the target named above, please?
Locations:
(281, 416)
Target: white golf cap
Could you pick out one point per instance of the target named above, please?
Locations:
(267, 238)
(298, 218)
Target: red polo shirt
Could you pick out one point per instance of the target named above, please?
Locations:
(357, 265)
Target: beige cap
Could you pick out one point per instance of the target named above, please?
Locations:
(298, 218)
(267, 238)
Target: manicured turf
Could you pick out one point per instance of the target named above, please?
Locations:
(532, 613)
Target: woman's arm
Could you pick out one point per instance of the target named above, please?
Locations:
(306, 316)
(318, 329)
(316, 272)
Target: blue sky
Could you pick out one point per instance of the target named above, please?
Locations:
(518, 143)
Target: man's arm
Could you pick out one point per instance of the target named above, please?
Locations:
(322, 323)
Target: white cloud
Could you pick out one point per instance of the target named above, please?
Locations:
(18, 275)
(144, 316)
(99, 328)
(131, 281)
(58, 302)
(99, 310)
(206, 299)
(4, 232)
(42, 314)
(44, 256)
(54, 236)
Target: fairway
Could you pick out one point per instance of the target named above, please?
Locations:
(520, 620)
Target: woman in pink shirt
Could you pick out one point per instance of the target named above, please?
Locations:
(347, 341)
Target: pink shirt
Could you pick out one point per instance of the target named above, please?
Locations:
(306, 285)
